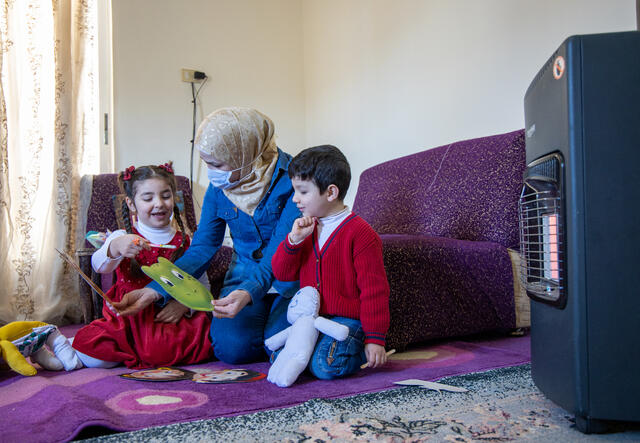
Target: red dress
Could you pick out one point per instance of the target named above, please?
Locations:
(138, 341)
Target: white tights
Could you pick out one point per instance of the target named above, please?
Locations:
(91, 362)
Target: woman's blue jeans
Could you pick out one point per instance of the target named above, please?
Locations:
(240, 339)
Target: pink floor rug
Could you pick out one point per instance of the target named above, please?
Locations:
(56, 406)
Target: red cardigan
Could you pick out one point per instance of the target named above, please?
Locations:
(348, 272)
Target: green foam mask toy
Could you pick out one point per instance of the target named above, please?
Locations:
(180, 285)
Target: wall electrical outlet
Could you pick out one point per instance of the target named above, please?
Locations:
(189, 75)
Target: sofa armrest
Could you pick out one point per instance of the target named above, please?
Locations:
(91, 302)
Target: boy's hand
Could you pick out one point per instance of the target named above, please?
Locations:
(302, 228)
(128, 245)
(172, 312)
(376, 355)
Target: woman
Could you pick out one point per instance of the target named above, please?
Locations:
(250, 192)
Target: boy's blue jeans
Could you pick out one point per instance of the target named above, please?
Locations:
(335, 359)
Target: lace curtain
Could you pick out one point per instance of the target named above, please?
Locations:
(48, 135)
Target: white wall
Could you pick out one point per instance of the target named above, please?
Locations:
(250, 49)
(377, 78)
(387, 78)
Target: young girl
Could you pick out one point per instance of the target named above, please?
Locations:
(155, 336)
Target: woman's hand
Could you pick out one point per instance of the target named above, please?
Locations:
(172, 312)
(376, 355)
(229, 306)
(302, 228)
(135, 301)
(128, 245)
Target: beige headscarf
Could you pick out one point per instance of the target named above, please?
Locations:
(242, 138)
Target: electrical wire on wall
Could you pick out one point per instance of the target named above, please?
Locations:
(194, 95)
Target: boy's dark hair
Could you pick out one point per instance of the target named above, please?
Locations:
(324, 165)
(128, 181)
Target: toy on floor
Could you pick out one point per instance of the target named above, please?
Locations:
(21, 339)
(201, 375)
(160, 374)
(300, 338)
(232, 375)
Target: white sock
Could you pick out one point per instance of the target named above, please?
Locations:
(47, 360)
(63, 350)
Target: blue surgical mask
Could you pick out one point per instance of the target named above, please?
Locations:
(220, 179)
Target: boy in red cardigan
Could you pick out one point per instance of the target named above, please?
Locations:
(336, 252)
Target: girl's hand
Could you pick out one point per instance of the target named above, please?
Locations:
(128, 245)
(172, 312)
(376, 355)
(135, 301)
(302, 228)
(229, 306)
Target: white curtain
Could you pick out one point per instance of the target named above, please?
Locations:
(48, 135)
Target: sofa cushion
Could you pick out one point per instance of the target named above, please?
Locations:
(443, 287)
(466, 190)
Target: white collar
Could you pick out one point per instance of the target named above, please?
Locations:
(329, 219)
(156, 235)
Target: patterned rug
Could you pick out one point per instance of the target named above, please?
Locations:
(501, 405)
(57, 406)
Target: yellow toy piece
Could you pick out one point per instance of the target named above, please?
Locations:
(10, 353)
(43, 342)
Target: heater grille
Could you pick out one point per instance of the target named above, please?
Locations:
(540, 212)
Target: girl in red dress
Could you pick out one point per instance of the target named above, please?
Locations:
(158, 335)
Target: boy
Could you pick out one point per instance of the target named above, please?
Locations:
(336, 252)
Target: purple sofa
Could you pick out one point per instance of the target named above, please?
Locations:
(446, 217)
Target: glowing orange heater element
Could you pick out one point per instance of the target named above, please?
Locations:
(550, 246)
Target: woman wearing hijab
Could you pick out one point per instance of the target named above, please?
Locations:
(250, 192)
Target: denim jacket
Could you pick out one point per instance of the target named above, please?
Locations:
(255, 238)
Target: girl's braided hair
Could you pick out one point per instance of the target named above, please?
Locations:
(128, 181)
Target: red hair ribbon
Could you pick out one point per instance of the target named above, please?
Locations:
(167, 167)
(128, 173)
